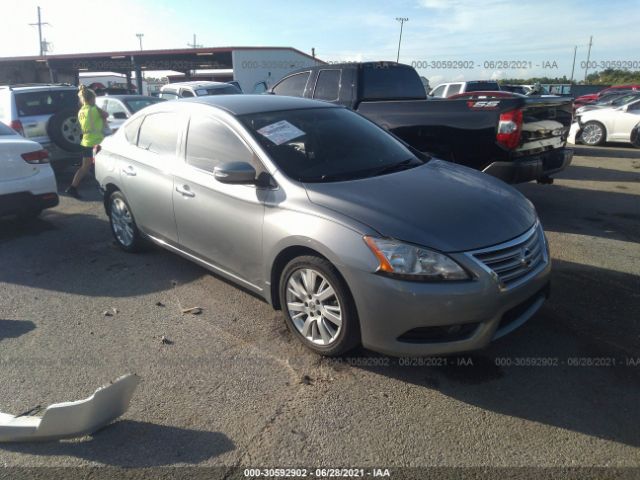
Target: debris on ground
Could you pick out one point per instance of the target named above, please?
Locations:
(306, 380)
(71, 419)
(192, 310)
(107, 313)
(159, 304)
(165, 341)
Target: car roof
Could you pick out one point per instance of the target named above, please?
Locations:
(248, 104)
(128, 97)
(38, 87)
(195, 84)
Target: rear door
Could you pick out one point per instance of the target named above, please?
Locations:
(218, 222)
(35, 108)
(147, 174)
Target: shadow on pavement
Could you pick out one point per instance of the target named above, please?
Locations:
(15, 328)
(612, 150)
(610, 215)
(76, 253)
(135, 444)
(572, 366)
(598, 174)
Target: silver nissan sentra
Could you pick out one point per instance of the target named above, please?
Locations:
(357, 237)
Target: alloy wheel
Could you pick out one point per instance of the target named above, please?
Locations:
(122, 222)
(313, 306)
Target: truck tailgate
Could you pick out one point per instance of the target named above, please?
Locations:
(545, 124)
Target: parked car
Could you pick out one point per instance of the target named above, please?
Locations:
(445, 90)
(612, 124)
(197, 89)
(517, 139)
(121, 107)
(27, 182)
(44, 113)
(609, 100)
(593, 97)
(356, 236)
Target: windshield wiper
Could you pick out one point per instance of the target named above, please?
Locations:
(395, 167)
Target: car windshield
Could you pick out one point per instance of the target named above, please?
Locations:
(624, 99)
(226, 90)
(45, 102)
(328, 144)
(139, 103)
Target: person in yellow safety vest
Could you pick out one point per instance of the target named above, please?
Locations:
(92, 121)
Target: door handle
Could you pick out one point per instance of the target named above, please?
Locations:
(185, 191)
(130, 171)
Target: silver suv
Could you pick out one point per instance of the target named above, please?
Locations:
(44, 113)
(198, 89)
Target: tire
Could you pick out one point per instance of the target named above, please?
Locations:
(595, 134)
(64, 130)
(123, 225)
(312, 319)
(635, 136)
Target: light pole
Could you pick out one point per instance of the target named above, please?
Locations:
(401, 20)
(586, 68)
(140, 35)
(575, 49)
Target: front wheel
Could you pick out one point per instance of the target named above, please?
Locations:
(318, 307)
(123, 226)
(593, 134)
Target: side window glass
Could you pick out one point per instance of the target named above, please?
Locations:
(292, 86)
(210, 143)
(159, 133)
(327, 85)
(131, 130)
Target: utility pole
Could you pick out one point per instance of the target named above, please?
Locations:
(39, 24)
(194, 44)
(575, 49)
(586, 68)
(140, 35)
(401, 20)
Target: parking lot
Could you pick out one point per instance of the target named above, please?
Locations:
(232, 387)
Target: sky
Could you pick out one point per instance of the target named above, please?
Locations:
(530, 38)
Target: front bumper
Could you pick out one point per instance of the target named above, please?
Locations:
(531, 167)
(468, 314)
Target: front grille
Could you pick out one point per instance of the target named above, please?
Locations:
(514, 260)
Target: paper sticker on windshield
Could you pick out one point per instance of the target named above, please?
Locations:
(201, 91)
(280, 132)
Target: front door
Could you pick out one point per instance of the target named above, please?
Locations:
(217, 222)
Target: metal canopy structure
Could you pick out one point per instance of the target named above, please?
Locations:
(66, 68)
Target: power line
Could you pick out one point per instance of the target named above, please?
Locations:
(39, 24)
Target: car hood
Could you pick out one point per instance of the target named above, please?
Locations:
(439, 205)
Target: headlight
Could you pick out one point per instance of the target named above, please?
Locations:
(413, 263)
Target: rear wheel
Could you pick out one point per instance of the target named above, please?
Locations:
(318, 307)
(64, 130)
(593, 133)
(123, 226)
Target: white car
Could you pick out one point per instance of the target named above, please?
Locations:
(176, 90)
(606, 125)
(445, 90)
(27, 182)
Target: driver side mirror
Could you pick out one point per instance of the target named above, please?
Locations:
(236, 173)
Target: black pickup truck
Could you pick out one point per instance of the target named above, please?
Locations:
(515, 138)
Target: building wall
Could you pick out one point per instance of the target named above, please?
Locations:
(254, 66)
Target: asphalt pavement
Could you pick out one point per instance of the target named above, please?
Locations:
(231, 387)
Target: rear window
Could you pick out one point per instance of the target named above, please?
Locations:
(383, 82)
(140, 103)
(481, 86)
(45, 102)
